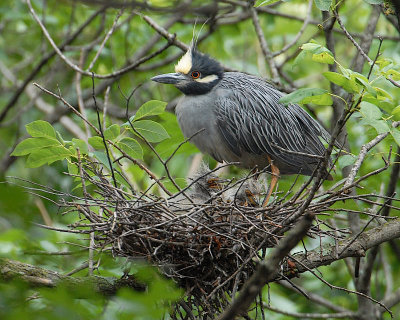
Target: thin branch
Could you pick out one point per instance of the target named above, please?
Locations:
(359, 294)
(65, 102)
(348, 35)
(108, 35)
(366, 41)
(163, 32)
(394, 176)
(101, 129)
(339, 315)
(317, 298)
(391, 300)
(13, 100)
(396, 84)
(299, 34)
(264, 46)
(145, 169)
(266, 270)
(328, 254)
(88, 73)
(363, 153)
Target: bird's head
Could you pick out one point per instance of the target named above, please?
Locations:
(195, 73)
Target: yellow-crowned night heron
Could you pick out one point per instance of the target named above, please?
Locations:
(238, 118)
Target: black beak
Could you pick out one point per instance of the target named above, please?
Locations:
(170, 78)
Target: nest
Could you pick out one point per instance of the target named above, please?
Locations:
(207, 238)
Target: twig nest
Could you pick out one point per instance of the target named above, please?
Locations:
(208, 237)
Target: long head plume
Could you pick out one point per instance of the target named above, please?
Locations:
(185, 63)
(195, 38)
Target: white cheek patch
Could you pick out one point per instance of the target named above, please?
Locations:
(207, 79)
(185, 63)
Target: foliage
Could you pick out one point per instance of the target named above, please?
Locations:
(314, 75)
(48, 146)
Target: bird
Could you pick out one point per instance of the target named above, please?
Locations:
(205, 187)
(237, 117)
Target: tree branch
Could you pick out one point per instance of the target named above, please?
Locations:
(264, 46)
(40, 277)
(339, 315)
(355, 248)
(317, 298)
(366, 40)
(76, 68)
(267, 270)
(13, 100)
(363, 153)
(348, 35)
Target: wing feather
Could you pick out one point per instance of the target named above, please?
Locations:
(251, 119)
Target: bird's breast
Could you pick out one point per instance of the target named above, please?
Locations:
(197, 120)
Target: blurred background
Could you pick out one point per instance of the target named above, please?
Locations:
(126, 43)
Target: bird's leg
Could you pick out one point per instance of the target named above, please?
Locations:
(274, 181)
(250, 199)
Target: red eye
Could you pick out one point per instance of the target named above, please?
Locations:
(195, 74)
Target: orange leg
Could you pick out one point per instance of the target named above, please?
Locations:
(274, 181)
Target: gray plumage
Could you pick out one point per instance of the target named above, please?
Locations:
(243, 121)
(236, 117)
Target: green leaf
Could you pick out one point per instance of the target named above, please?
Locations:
(96, 142)
(321, 100)
(320, 53)
(334, 77)
(131, 147)
(112, 132)
(383, 62)
(396, 110)
(395, 75)
(370, 111)
(299, 95)
(168, 146)
(323, 5)
(181, 182)
(73, 168)
(47, 155)
(151, 130)
(346, 160)
(150, 108)
(346, 72)
(383, 104)
(360, 79)
(102, 157)
(31, 144)
(40, 128)
(82, 145)
(261, 3)
(323, 57)
(396, 135)
(380, 126)
(372, 116)
(383, 94)
(341, 80)
(375, 1)
(310, 46)
(299, 59)
(60, 138)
